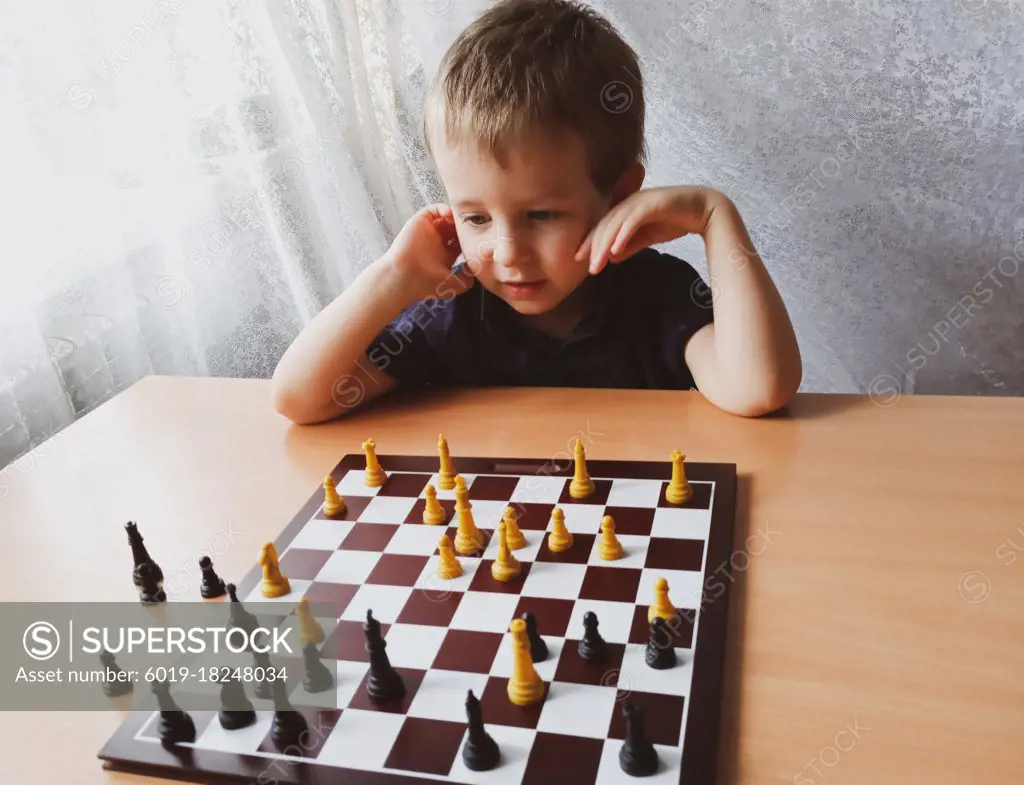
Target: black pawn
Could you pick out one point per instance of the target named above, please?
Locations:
(113, 687)
(661, 653)
(592, 645)
(236, 709)
(538, 647)
(480, 752)
(637, 757)
(212, 586)
(176, 727)
(318, 676)
(383, 683)
(288, 725)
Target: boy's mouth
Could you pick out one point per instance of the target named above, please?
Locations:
(522, 290)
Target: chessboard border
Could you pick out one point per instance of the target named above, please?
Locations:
(123, 753)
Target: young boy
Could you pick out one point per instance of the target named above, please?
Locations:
(536, 125)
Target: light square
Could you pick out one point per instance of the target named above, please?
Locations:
(244, 741)
(387, 509)
(347, 679)
(614, 619)
(582, 518)
(322, 535)
(683, 524)
(502, 665)
(637, 676)
(684, 587)
(515, 745)
(352, 484)
(551, 579)
(485, 611)
(442, 694)
(386, 602)
(611, 773)
(635, 552)
(429, 580)
(415, 540)
(634, 493)
(414, 645)
(352, 567)
(361, 739)
(578, 709)
(538, 489)
(435, 480)
(487, 513)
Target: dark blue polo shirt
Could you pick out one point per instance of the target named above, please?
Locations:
(648, 307)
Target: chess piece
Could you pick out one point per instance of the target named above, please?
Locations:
(274, 583)
(383, 683)
(637, 756)
(262, 688)
(236, 710)
(513, 535)
(448, 567)
(334, 504)
(240, 617)
(433, 512)
(525, 686)
(153, 592)
(461, 491)
(660, 653)
(506, 566)
(468, 538)
(289, 725)
(446, 476)
(480, 752)
(318, 676)
(661, 606)
(310, 630)
(212, 585)
(581, 486)
(560, 538)
(679, 489)
(538, 646)
(374, 475)
(176, 727)
(609, 549)
(592, 645)
(113, 685)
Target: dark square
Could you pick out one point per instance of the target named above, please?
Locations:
(679, 626)
(666, 553)
(632, 520)
(411, 485)
(354, 506)
(579, 553)
(484, 581)
(563, 759)
(489, 488)
(576, 670)
(532, 516)
(552, 614)
(416, 513)
(600, 495)
(397, 569)
(369, 537)
(663, 716)
(412, 678)
(468, 650)
(430, 607)
(700, 500)
(303, 563)
(337, 596)
(348, 642)
(426, 745)
(615, 584)
(499, 710)
(320, 723)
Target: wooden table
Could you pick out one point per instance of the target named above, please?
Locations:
(877, 625)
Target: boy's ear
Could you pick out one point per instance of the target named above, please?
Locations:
(628, 183)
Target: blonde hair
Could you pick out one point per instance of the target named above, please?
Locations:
(547, 65)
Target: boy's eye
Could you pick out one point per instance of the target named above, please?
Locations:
(543, 215)
(475, 220)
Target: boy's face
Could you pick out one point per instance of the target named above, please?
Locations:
(520, 227)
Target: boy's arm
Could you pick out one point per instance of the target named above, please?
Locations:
(748, 360)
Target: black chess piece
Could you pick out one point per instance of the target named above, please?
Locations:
(661, 653)
(176, 726)
(538, 647)
(592, 645)
(262, 687)
(236, 710)
(288, 726)
(480, 752)
(114, 686)
(212, 585)
(147, 575)
(318, 676)
(383, 683)
(637, 756)
(240, 617)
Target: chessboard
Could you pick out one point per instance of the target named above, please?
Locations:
(577, 641)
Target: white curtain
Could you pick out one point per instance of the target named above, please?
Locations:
(184, 183)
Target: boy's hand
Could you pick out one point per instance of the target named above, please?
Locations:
(423, 253)
(654, 215)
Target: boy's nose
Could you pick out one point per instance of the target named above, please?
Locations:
(507, 251)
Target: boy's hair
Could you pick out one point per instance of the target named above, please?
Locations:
(542, 65)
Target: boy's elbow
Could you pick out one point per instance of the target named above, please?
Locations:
(296, 405)
(769, 398)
